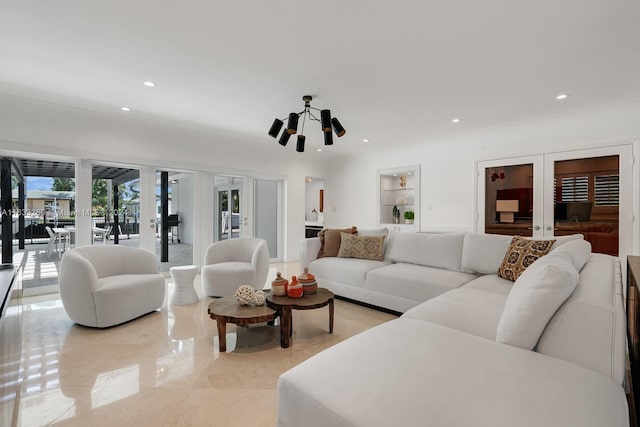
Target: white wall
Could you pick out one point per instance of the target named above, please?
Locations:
(182, 204)
(448, 166)
(32, 128)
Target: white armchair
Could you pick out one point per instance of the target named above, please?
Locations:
(234, 262)
(102, 286)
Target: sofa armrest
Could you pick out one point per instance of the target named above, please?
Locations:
(78, 280)
(308, 251)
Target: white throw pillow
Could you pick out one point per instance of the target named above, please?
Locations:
(539, 291)
(578, 250)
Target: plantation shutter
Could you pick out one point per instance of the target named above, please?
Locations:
(607, 190)
(575, 189)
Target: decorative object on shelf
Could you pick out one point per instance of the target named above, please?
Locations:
(279, 286)
(396, 215)
(401, 201)
(326, 122)
(244, 294)
(259, 298)
(295, 289)
(408, 217)
(403, 182)
(308, 281)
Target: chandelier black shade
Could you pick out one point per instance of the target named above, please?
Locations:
(292, 125)
(300, 143)
(275, 128)
(327, 124)
(284, 138)
(325, 120)
(328, 138)
(337, 127)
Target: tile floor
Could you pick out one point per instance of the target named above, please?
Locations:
(163, 369)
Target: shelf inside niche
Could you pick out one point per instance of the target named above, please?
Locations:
(398, 189)
(390, 192)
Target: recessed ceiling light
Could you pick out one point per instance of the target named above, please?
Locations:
(562, 96)
(365, 140)
(149, 84)
(455, 120)
(409, 173)
(319, 149)
(125, 108)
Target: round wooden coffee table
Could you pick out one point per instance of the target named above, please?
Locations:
(227, 310)
(284, 305)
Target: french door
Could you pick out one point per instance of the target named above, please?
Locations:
(229, 202)
(585, 192)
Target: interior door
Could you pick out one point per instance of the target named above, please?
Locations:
(555, 194)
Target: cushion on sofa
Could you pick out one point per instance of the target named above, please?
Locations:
(415, 282)
(483, 253)
(330, 240)
(472, 310)
(520, 254)
(344, 270)
(491, 283)
(363, 247)
(534, 299)
(433, 250)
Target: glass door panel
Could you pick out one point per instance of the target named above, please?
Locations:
(509, 200)
(510, 196)
(228, 195)
(586, 201)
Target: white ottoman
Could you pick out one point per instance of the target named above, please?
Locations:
(184, 293)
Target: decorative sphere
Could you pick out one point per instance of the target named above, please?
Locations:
(244, 294)
(259, 298)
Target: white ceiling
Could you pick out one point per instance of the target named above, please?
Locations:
(392, 72)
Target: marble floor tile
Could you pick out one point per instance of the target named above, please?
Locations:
(162, 369)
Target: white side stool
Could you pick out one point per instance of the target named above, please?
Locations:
(184, 293)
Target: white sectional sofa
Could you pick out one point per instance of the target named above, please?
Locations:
(453, 358)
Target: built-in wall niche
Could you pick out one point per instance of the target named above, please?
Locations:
(314, 206)
(399, 198)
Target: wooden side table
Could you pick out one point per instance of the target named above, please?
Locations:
(284, 305)
(227, 310)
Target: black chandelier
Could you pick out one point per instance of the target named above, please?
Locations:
(325, 120)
